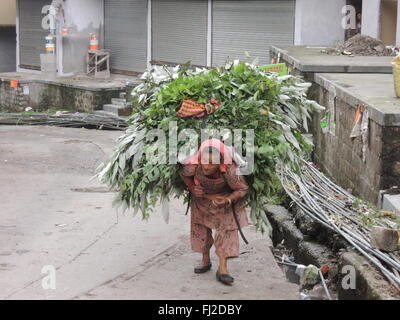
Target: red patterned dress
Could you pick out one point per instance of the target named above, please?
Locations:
(205, 216)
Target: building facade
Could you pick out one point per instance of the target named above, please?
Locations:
(139, 33)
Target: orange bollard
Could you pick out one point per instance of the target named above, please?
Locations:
(94, 43)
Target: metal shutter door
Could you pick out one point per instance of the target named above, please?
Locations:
(31, 34)
(179, 31)
(125, 34)
(252, 26)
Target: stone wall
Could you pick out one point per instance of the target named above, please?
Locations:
(390, 157)
(336, 154)
(43, 96)
(13, 100)
(342, 158)
(54, 96)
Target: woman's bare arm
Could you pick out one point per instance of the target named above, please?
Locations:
(237, 183)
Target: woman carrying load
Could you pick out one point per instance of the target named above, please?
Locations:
(217, 192)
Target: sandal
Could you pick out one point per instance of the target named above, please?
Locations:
(225, 278)
(202, 269)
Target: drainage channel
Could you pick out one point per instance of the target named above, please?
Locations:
(312, 281)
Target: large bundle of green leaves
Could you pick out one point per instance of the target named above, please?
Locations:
(275, 107)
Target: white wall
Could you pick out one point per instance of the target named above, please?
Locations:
(7, 12)
(371, 18)
(83, 14)
(319, 22)
(81, 18)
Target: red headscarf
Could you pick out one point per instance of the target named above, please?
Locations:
(226, 153)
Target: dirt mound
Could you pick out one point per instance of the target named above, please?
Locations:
(361, 45)
(366, 46)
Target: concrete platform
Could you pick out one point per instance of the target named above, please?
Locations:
(115, 82)
(311, 59)
(78, 93)
(374, 90)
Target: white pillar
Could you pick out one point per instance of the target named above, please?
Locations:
(319, 22)
(371, 18)
(398, 24)
(209, 33)
(298, 22)
(149, 39)
(17, 60)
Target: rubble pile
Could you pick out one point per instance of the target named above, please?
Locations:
(366, 46)
(361, 45)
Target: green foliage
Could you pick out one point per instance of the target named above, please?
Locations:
(276, 108)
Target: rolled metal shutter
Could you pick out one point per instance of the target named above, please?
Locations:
(31, 34)
(125, 34)
(252, 26)
(179, 31)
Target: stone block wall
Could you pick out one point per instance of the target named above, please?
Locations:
(11, 99)
(43, 96)
(390, 157)
(342, 158)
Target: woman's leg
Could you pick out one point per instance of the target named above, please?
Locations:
(206, 258)
(226, 246)
(223, 265)
(202, 241)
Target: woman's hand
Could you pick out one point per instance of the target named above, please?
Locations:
(198, 191)
(220, 201)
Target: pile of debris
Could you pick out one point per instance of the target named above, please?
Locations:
(361, 45)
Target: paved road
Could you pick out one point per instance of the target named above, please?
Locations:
(51, 214)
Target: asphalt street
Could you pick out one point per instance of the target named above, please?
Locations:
(61, 239)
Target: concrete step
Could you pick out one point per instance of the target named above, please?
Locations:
(120, 102)
(105, 113)
(391, 202)
(118, 110)
(110, 114)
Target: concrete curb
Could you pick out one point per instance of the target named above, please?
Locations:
(370, 284)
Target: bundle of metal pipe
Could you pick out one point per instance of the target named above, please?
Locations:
(338, 210)
(73, 120)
